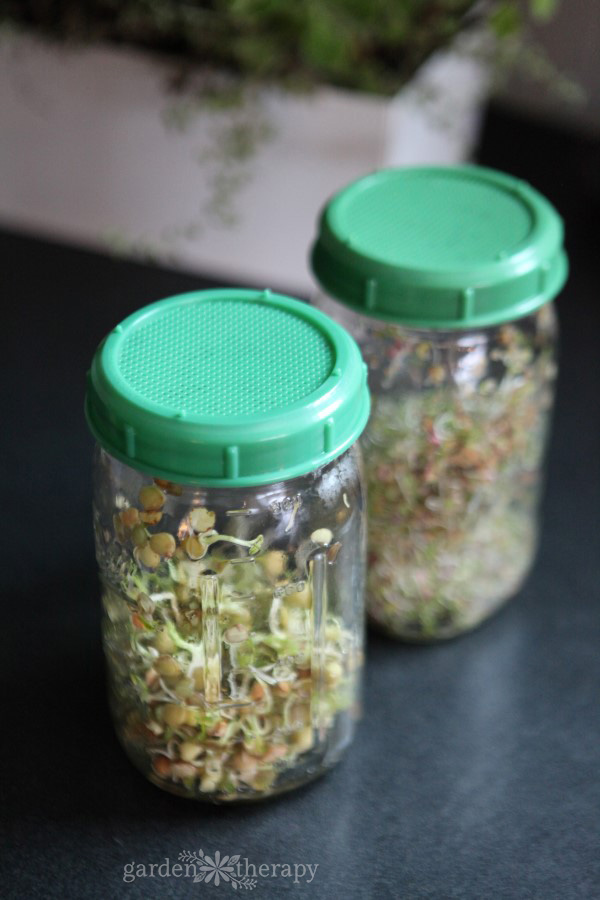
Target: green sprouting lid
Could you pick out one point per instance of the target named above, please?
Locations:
(440, 247)
(227, 387)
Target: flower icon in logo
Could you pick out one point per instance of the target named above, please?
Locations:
(217, 869)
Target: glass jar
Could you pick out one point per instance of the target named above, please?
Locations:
(229, 526)
(446, 283)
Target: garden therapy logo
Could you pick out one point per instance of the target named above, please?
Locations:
(217, 869)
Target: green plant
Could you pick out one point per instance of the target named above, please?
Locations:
(221, 53)
(367, 45)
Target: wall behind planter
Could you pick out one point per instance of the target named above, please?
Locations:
(85, 153)
(572, 42)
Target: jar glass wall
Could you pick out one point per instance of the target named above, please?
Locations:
(229, 518)
(454, 460)
(232, 625)
(230, 535)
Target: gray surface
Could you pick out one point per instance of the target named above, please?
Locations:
(475, 770)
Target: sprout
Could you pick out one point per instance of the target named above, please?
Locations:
(250, 642)
(452, 471)
(202, 519)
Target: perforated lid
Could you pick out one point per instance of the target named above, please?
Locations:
(440, 247)
(227, 387)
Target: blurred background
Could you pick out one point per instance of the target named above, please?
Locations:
(208, 135)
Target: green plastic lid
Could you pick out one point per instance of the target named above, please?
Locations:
(227, 387)
(440, 247)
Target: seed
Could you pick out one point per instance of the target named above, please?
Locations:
(198, 677)
(162, 766)
(322, 536)
(188, 751)
(154, 728)
(213, 768)
(163, 543)
(264, 780)
(303, 739)
(255, 745)
(151, 518)
(275, 751)
(467, 458)
(258, 691)
(174, 715)
(218, 730)
(244, 765)
(139, 536)
(506, 335)
(202, 519)
(192, 716)
(436, 374)
(151, 677)
(167, 666)
(183, 770)
(236, 634)
(151, 497)
(208, 785)
(341, 515)
(182, 592)
(333, 672)
(301, 599)
(164, 642)
(194, 617)
(274, 563)
(148, 557)
(130, 516)
(283, 688)
(282, 671)
(240, 616)
(169, 486)
(194, 548)
(333, 551)
(136, 621)
(184, 688)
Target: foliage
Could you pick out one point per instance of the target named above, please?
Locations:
(368, 45)
(220, 53)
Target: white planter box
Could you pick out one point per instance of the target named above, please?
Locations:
(84, 152)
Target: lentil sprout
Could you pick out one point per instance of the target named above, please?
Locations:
(453, 452)
(219, 682)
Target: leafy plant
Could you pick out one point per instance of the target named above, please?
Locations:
(367, 45)
(220, 53)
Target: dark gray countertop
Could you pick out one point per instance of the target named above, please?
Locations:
(475, 772)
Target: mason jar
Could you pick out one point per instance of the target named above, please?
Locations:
(229, 523)
(446, 276)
